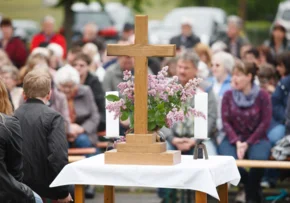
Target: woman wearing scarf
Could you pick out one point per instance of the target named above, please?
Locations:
(246, 116)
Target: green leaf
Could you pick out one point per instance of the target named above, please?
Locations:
(131, 120)
(151, 126)
(124, 116)
(160, 106)
(112, 98)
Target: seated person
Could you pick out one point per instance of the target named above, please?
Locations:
(11, 170)
(178, 137)
(82, 64)
(10, 76)
(83, 111)
(246, 116)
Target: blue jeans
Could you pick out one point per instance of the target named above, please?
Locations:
(83, 141)
(37, 198)
(276, 132)
(252, 179)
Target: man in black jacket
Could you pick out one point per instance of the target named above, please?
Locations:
(44, 139)
(187, 39)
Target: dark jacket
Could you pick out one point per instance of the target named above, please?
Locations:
(187, 42)
(11, 175)
(16, 51)
(99, 96)
(44, 147)
(241, 41)
(279, 100)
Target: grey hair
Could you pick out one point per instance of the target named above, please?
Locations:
(191, 56)
(67, 74)
(11, 70)
(227, 60)
(48, 18)
(236, 20)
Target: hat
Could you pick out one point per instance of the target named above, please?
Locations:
(128, 27)
(186, 21)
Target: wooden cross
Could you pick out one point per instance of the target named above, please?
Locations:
(140, 50)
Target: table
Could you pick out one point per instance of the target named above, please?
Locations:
(203, 176)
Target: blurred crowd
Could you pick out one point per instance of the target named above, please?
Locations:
(247, 86)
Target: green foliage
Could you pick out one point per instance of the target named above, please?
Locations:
(112, 98)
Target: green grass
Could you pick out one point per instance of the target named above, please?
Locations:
(35, 10)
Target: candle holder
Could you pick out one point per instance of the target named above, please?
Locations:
(200, 150)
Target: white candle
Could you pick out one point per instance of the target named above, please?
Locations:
(201, 124)
(112, 125)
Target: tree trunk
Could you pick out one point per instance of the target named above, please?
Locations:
(68, 22)
(243, 9)
(203, 3)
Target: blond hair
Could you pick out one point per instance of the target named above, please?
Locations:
(5, 105)
(201, 49)
(37, 84)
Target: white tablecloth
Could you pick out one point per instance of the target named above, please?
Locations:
(200, 175)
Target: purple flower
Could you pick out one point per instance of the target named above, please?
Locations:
(127, 75)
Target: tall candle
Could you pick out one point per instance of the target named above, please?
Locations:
(112, 125)
(200, 123)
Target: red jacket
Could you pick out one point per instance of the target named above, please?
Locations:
(16, 51)
(41, 38)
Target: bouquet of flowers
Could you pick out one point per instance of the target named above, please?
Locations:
(167, 100)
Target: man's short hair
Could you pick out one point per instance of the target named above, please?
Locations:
(254, 52)
(37, 84)
(48, 18)
(190, 56)
(83, 57)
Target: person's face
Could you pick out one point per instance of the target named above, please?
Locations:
(240, 81)
(89, 34)
(48, 27)
(233, 31)
(278, 34)
(186, 30)
(126, 62)
(251, 58)
(70, 58)
(263, 58)
(82, 67)
(127, 34)
(7, 32)
(281, 70)
(8, 81)
(185, 71)
(218, 69)
(243, 51)
(68, 89)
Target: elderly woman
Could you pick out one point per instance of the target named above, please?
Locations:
(246, 116)
(10, 75)
(222, 66)
(83, 111)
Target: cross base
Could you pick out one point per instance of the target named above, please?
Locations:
(142, 150)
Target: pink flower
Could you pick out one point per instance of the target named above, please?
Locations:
(127, 75)
(116, 107)
(174, 116)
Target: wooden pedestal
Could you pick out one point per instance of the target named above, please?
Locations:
(142, 150)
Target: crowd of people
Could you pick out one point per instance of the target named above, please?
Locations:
(53, 98)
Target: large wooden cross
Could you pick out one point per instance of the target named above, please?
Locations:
(140, 51)
(141, 147)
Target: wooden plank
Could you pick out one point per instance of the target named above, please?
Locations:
(166, 158)
(141, 29)
(223, 193)
(141, 95)
(75, 158)
(140, 50)
(109, 194)
(141, 138)
(79, 194)
(200, 197)
(81, 151)
(263, 164)
(157, 147)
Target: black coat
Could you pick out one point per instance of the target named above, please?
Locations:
(44, 147)
(99, 96)
(187, 42)
(11, 187)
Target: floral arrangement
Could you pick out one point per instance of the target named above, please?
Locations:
(167, 100)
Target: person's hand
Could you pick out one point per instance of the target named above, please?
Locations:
(76, 129)
(242, 148)
(65, 200)
(176, 140)
(125, 123)
(190, 141)
(270, 88)
(185, 146)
